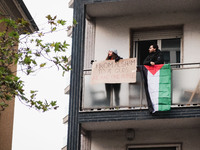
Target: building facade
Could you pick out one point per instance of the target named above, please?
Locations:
(14, 9)
(130, 27)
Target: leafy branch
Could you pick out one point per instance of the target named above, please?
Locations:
(28, 56)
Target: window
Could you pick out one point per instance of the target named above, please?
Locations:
(171, 50)
(168, 40)
(169, 47)
(155, 147)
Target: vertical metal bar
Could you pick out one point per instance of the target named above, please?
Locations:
(73, 140)
(141, 90)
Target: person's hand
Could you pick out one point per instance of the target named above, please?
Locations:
(117, 59)
(152, 63)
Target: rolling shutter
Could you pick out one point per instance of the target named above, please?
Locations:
(157, 33)
(89, 43)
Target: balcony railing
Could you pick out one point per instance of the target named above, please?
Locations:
(185, 91)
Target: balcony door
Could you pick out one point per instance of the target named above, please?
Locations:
(169, 47)
(168, 40)
(143, 49)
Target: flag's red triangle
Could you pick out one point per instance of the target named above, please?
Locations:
(153, 69)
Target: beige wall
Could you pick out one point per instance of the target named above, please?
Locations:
(6, 120)
(114, 33)
(191, 41)
(13, 9)
(116, 140)
(6, 127)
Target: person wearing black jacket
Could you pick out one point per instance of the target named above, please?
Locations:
(112, 55)
(155, 56)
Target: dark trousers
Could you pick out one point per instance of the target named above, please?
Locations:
(110, 88)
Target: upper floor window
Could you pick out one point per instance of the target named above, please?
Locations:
(168, 40)
(171, 50)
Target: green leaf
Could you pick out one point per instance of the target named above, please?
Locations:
(53, 29)
(54, 18)
(62, 22)
(39, 102)
(47, 50)
(32, 92)
(75, 22)
(49, 17)
(53, 103)
(8, 97)
(57, 45)
(65, 45)
(42, 65)
(40, 34)
(65, 59)
(3, 104)
(14, 34)
(27, 60)
(2, 33)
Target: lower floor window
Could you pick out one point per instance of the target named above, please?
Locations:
(155, 147)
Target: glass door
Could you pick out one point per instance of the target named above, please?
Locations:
(170, 48)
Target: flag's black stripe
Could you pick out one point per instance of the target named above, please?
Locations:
(144, 71)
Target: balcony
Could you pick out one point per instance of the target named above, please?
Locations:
(71, 4)
(185, 91)
(64, 143)
(130, 7)
(67, 89)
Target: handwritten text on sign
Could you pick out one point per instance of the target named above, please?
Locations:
(109, 71)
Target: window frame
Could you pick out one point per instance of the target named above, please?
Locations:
(155, 33)
(178, 146)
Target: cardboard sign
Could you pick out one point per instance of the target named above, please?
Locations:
(109, 71)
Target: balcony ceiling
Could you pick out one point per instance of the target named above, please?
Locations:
(188, 123)
(135, 7)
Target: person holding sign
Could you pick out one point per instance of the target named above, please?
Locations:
(155, 56)
(110, 87)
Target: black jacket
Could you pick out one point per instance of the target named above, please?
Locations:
(155, 57)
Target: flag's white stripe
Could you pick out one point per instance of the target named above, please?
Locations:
(153, 87)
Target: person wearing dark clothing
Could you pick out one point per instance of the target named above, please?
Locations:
(112, 55)
(110, 87)
(155, 56)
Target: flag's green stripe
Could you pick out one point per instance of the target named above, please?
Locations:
(165, 88)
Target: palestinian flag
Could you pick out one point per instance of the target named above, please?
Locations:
(157, 84)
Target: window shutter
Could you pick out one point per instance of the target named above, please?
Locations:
(157, 33)
(89, 43)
